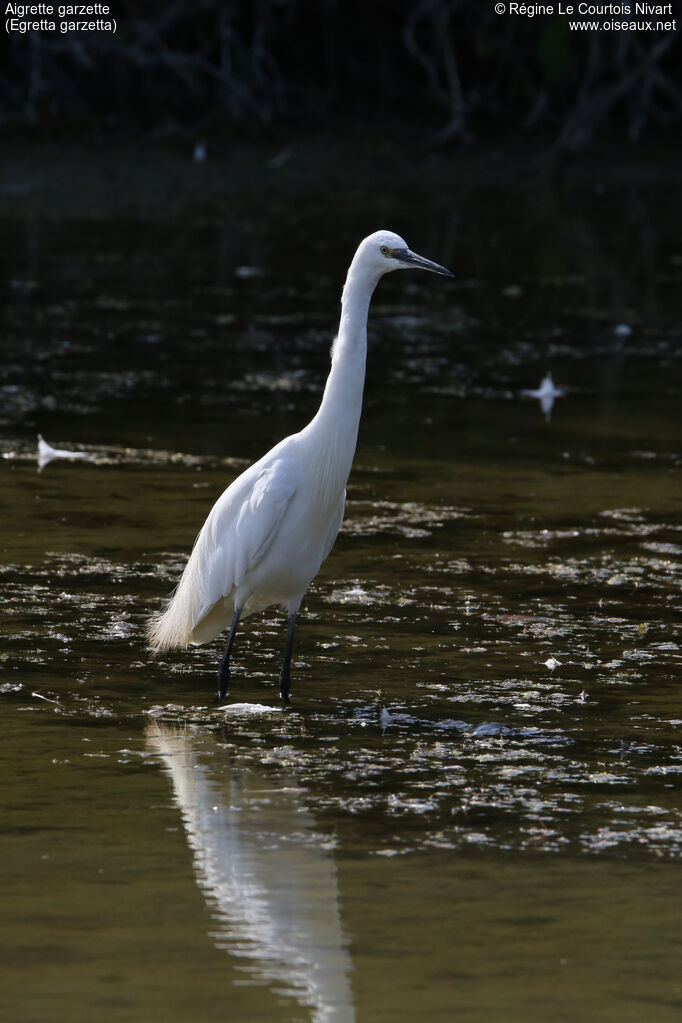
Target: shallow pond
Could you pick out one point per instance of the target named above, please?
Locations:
(472, 809)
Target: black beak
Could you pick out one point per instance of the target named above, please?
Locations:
(412, 259)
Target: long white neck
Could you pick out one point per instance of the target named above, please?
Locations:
(342, 399)
(336, 423)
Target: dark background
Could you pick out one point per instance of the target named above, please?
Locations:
(440, 70)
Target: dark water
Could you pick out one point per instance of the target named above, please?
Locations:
(472, 810)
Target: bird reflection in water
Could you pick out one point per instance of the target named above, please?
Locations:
(264, 871)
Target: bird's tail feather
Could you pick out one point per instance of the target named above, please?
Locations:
(174, 625)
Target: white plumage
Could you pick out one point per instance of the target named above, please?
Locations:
(267, 535)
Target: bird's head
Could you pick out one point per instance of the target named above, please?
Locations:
(385, 251)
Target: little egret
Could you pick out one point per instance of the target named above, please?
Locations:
(267, 535)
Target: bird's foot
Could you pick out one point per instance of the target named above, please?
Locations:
(285, 688)
(223, 679)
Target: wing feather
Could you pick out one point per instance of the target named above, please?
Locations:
(260, 515)
(237, 534)
(335, 526)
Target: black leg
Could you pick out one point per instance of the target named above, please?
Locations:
(285, 675)
(224, 669)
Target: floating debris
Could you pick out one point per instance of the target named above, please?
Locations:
(47, 454)
(546, 394)
(250, 709)
(552, 663)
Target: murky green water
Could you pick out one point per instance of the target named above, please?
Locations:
(472, 810)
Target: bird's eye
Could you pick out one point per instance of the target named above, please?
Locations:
(385, 251)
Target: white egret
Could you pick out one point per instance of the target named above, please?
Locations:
(267, 535)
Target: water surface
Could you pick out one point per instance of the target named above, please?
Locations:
(472, 810)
